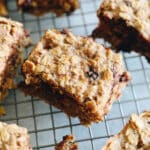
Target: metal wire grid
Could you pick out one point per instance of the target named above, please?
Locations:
(47, 124)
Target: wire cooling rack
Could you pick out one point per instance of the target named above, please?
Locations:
(47, 124)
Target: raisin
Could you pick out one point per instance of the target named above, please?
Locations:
(140, 144)
(124, 77)
(92, 74)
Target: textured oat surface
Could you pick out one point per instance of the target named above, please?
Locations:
(79, 68)
(67, 144)
(13, 137)
(12, 41)
(136, 13)
(39, 7)
(134, 136)
(76, 65)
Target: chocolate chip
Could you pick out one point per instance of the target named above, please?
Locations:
(148, 122)
(92, 74)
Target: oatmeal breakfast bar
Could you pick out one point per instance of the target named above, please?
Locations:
(67, 144)
(134, 136)
(3, 9)
(13, 38)
(125, 24)
(38, 7)
(75, 74)
(13, 137)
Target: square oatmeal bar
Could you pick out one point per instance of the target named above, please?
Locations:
(13, 39)
(134, 136)
(75, 74)
(125, 24)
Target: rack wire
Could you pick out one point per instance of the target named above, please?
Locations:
(47, 124)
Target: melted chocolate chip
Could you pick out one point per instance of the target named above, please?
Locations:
(92, 74)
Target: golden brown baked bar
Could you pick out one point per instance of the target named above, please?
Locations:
(125, 24)
(134, 136)
(75, 74)
(13, 137)
(3, 9)
(67, 144)
(38, 7)
(13, 39)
